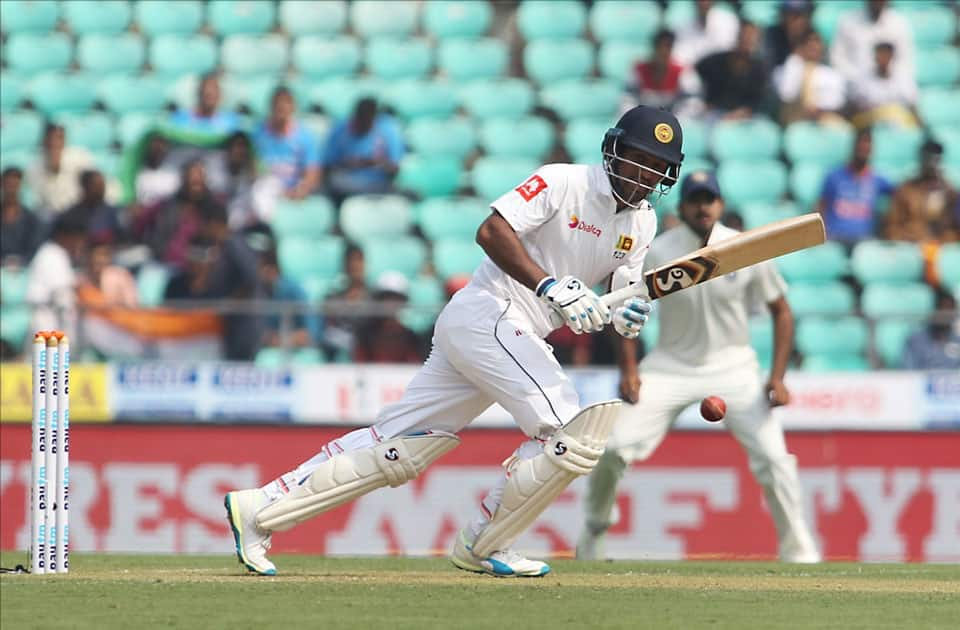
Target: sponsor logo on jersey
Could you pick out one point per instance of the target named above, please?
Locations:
(532, 187)
(625, 243)
(576, 224)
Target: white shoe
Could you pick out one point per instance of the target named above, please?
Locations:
(810, 557)
(507, 563)
(590, 545)
(251, 541)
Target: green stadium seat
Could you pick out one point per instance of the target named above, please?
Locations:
(93, 130)
(754, 139)
(152, 282)
(413, 98)
(911, 300)
(831, 335)
(528, 137)
(312, 217)
(308, 356)
(583, 137)
(398, 59)
(104, 54)
(836, 363)
(11, 91)
(13, 285)
(497, 98)
(405, 254)
(252, 55)
(939, 67)
(365, 217)
(895, 145)
(58, 93)
(14, 325)
(318, 288)
(457, 19)
(160, 17)
(271, 357)
(319, 57)
(425, 299)
(338, 96)
(301, 258)
(452, 217)
(133, 126)
(559, 19)
(550, 60)
(761, 336)
(29, 53)
(695, 139)
(493, 177)
(890, 339)
(442, 137)
(757, 214)
(234, 17)
(668, 203)
(806, 183)
(680, 13)
(761, 12)
(85, 17)
(754, 180)
(377, 18)
(590, 98)
(891, 262)
(21, 130)
(828, 145)
(949, 136)
(455, 256)
(827, 15)
(176, 55)
(21, 159)
(29, 16)
(823, 264)
(619, 20)
(616, 59)
(313, 18)
(124, 94)
(933, 26)
(472, 59)
(948, 264)
(429, 175)
(834, 298)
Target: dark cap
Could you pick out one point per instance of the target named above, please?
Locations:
(796, 6)
(697, 181)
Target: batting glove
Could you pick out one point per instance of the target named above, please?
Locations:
(629, 317)
(580, 308)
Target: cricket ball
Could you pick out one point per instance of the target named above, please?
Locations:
(712, 408)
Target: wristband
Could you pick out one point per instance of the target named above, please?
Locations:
(545, 284)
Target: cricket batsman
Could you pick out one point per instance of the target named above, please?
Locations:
(566, 229)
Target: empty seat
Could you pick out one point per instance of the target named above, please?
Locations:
(339, 95)
(895, 145)
(11, 91)
(695, 138)
(452, 217)
(831, 335)
(377, 18)
(616, 20)
(821, 264)
(456, 256)
(761, 337)
(13, 285)
(938, 67)
(302, 258)
(307, 218)
(550, 60)
(834, 298)
(249, 55)
(406, 254)
(56, 93)
(493, 177)
(559, 19)
(313, 18)
(910, 300)
(124, 94)
(320, 57)
(22, 159)
(414, 98)
(890, 339)
(887, 261)
(30, 53)
(590, 98)
(133, 126)
(760, 213)
(160, 17)
(233, 17)
(457, 19)
(827, 15)
(425, 299)
(430, 175)
(761, 12)
(948, 264)
(398, 59)
(617, 59)
(933, 26)
(14, 324)
(743, 182)
(442, 137)
(529, 137)
(152, 282)
(827, 145)
(938, 106)
(93, 130)
(29, 16)
(583, 138)
(21, 130)
(97, 16)
(101, 53)
(497, 98)
(375, 216)
(471, 59)
(836, 363)
(806, 183)
(753, 139)
(177, 55)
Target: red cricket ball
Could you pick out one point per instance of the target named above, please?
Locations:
(712, 408)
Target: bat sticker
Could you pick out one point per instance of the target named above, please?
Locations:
(681, 275)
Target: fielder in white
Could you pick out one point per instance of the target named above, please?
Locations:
(704, 349)
(564, 230)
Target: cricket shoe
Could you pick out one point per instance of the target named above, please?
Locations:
(809, 557)
(251, 541)
(507, 563)
(590, 545)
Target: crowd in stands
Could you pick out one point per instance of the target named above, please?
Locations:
(213, 184)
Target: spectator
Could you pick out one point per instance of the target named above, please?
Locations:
(109, 284)
(232, 175)
(207, 117)
(363, 153)
(858, 32)
(54, 177)
(290, 150)
(22, 232)
(782, 38)
(657, 83)
(926, 207)
(937, 347)
(807, 88)
(103, 219)
(884, 96)
(156, 180)
(713, 30)
(343, 321)
(735, 82)
(52, 283)
(733, 220)
(848, 201)
(383, 338)
(303, 329)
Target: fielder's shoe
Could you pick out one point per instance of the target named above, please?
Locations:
(809, 557)
(506, 563)
(252, 542)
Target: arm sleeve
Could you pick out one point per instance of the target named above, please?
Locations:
(533, 202)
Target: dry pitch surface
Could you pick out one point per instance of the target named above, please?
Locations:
(144, 591)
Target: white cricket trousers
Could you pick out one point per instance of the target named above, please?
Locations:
(642, 427)
(483, 353)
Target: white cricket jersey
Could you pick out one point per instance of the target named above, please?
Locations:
(567, 219)
(705, 328)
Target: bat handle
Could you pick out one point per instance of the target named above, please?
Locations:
(611, 300)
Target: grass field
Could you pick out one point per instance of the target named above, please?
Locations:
(145, 591)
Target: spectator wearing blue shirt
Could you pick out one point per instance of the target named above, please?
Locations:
(303, 330)
(937, 347)
(289, 150)
(207, 118)
(850, 195)
(363, 153)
